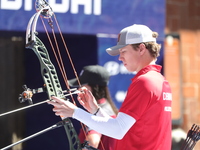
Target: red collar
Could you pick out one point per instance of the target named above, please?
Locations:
(148, 68)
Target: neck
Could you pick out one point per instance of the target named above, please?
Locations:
(146, 63)
(153, 62)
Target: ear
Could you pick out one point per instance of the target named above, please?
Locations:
(142, 48)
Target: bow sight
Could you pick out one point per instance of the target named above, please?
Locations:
(28, 93)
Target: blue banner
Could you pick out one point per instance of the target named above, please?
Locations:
(86, 16)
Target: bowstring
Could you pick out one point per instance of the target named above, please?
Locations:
(72, 64)
(67, 51)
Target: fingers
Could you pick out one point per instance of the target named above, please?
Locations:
(82, 89)
(57, 112)
(58, 100)
(84, 93)
(55, 104)
(62, 108)
(58, 108)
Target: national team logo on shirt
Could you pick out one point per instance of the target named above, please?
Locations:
(168, 108)
(167, 96)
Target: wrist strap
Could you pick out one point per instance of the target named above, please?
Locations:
(96, 111)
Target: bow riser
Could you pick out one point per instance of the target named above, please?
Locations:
(53, 87)
(48, 71)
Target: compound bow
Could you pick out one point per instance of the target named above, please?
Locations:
(48, 71)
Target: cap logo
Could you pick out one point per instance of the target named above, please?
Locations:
(118, 39)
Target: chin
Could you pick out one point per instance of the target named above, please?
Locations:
(130, 70)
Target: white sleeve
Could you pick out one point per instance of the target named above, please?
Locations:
(104, 124)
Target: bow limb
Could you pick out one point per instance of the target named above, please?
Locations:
(48, 71)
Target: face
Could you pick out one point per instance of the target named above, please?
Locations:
(130, 58)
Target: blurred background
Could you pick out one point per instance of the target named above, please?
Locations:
(89, 27)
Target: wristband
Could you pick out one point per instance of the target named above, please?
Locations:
(96, 111)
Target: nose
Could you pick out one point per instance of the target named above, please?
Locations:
(120, 58)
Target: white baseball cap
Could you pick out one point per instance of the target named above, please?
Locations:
(131, 35)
